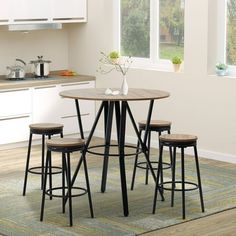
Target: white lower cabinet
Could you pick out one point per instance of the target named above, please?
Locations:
(14, 129)
(15, 115)
(15, 102)
(68, 112)
(45, 104)
(21, 107)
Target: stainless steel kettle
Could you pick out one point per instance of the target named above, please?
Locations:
(17, 71)
(40, 67)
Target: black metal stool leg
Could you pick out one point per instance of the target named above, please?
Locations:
(50, 172)
(148, 154)
(88, 185)
(63, 181)
(69, 188)
(173, 178)
(170, 151)
(135, 163)
(157, 180)
(199, 179)
(44, 185)
(183, 181)
(161, 170)
(27, 163)
(42, 160)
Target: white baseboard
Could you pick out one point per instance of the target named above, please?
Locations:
(201, 152)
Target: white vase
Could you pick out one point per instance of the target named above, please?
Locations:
(176, 67)
(124, 86)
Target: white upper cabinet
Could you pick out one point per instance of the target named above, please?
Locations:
(30, 10)
(42, 11)
(69, 10)
(4, 11)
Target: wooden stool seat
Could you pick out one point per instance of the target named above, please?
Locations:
(41, 128)
(154, 123)
(65, 142)
(178, 138)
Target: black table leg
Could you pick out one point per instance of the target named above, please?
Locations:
(117, 111)
(122, 158)
(107, 145)
(87, 142)
(143, 143)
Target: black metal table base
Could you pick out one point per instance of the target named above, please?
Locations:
(122, 110)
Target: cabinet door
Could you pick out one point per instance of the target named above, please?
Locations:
(15, 102)
(4, 11)
(69, 10)
(15, 115)
(68, 112)
(30, 10)
(46, 104)
(14, 129)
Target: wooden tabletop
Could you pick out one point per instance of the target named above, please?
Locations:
(99, 94)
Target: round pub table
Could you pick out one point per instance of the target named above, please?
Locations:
(120, 105)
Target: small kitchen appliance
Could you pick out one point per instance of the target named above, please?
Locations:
(16, 72)
(40, 67)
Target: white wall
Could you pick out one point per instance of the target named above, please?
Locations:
(199, 104)
(52, 44)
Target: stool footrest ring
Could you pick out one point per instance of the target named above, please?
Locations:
(194, 186)
(113, 154)
(84, 191)
(39, 168)
(142, 165)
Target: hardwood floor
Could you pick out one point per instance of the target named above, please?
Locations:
(222, 224)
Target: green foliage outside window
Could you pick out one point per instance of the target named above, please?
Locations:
(135, 28)
(231, 33)
(171, 28)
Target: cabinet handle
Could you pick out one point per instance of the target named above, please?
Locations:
(68, 18)
(21, 20)
(13, 90)
(14, 117)
(80, 83)
(72, 116)
(44, 87)
(4, 21)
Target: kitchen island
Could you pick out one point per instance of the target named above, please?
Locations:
(35, 100)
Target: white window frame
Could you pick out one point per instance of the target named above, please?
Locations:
(145, 63)
(221, 35)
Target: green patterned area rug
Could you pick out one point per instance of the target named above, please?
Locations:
(20, 215)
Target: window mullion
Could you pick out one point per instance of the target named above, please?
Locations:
(222, 8)
(154, 30)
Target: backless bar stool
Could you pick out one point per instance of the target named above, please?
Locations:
(65, 146)
(158, 126)
(44, 129)
(178, 141)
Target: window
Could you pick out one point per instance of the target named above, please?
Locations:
(152, 29)
(230, 47)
